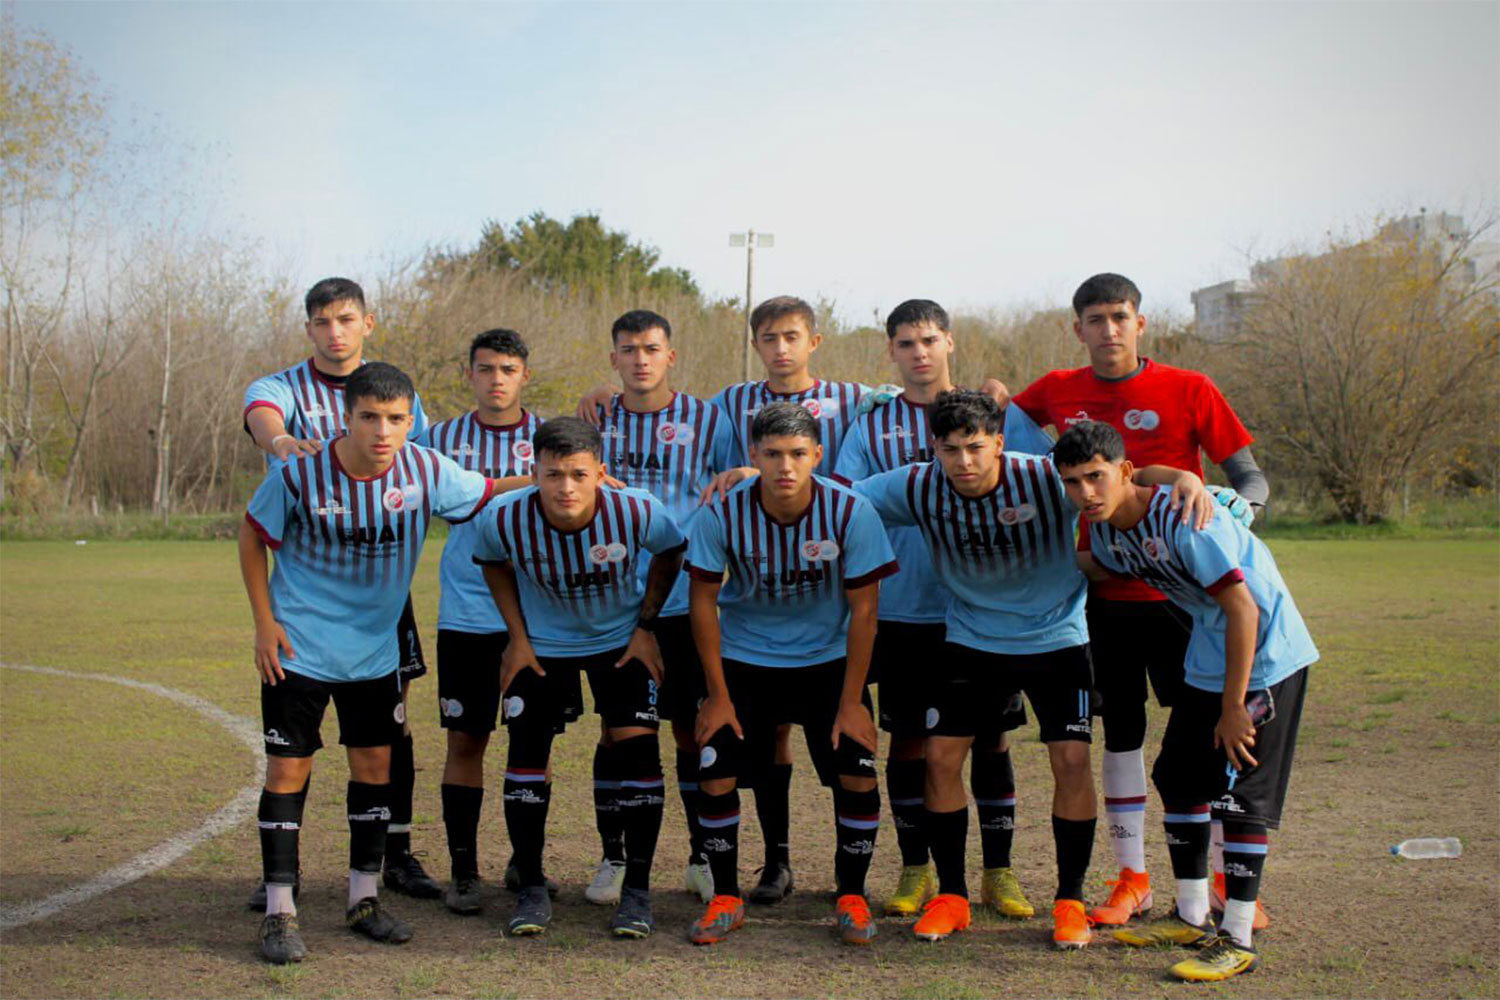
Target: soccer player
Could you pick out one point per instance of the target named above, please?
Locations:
(1166, 416)
(668, 444)
(1245, 675)
(787, 639)
(493, 439)
(562, 561)
(294, 412)
(347, 523)
(913, 609)
(1000, 532)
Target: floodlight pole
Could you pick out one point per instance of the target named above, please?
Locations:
(750, 238)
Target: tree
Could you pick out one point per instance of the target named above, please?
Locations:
(1371, 357)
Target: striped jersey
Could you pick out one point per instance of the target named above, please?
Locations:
(311, 403)
(783, 604)
(1191, 567)
(580, 590)
(887, 438)
(346, 548)
(833, 403)
(1006, 557)
(496, 452)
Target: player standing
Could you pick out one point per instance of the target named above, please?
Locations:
(562, 561)
(295, 412)
(347, 524)
(1166, 416)
(1245, 678)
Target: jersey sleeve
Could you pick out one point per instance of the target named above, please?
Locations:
(489, 547)
(854, 456)
(460, 493)
(272, 506)
(1033, 402)
(1022, 433)
(705, 554)
(1210, 553)
(419, 422)
(887, 494)
(270, 392)
(659, 533)
(867, 554)
(1219, 428)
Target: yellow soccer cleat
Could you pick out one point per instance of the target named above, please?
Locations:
(1221, 959)
(918, 884)
(1002, 890)
(1167, 931)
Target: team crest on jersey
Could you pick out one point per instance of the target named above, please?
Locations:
(820, 550)
(1155, 548)
(399, 498)
(522, 450)
(1019, 514)
(1142, 420)
(821, 407)
(680, 434)
(614, 552)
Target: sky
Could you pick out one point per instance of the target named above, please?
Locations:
(986, 155)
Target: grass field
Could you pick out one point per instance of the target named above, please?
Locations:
(1401, 738)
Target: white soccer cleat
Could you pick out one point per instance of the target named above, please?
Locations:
(699, 880)
(609, 879)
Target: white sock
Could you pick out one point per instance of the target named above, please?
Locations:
(1125, 807)
(1216, 846)
(279, 900)
(1238, 919)
(1192, 899)
(361, 884)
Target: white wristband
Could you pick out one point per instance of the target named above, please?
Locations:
(278, 438)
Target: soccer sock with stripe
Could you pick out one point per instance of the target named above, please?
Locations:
(607, 804)
(369, 807)
(280, 822)
(773, 807)
(904, 784)
(720, 817)
(1074, 839)
(526, 794)
(687, 789)
(641, 801)
(1245, 847)
(1125, 806)
(403, 780)
(857, 823)
(993, 782)
(1216, 846)
(1187, 829)
(461, 806)
(948, 839)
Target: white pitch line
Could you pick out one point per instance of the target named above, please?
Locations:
(240, 808)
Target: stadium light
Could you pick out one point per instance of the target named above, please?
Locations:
(750, 239)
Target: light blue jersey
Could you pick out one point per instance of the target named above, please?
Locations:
(784, 602)
(1007, 557)
(833, 403)
(887, 438)
(580, 590)
(1190, 567)
(496, 452)
(311, 404)
(346, 549)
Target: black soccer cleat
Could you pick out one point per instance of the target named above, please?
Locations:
(513, 880)
(405, 874)
(633, 917)
(257, 900)
(280, 942)
(532, 914)
(464, 896)
(367, 918)
(776, 883)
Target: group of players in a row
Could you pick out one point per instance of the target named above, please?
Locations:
(755, 562)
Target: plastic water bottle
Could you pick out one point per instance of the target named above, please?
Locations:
(1422, 848)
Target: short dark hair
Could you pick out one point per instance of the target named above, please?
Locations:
(1103, 289)
(915, 311)
(379, 381)
(785, 420)
(330, 290)
(1085, 439)
(639, 321)
(564, 436)
(783, 305)
(966, 410)
(501, 341)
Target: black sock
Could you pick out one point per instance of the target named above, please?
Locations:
(1188, 833)
(526, 794)
(280, 821)
(773, 807)
(948, 839)
(904, 784)
(993, 782)
(403, 779)
(369, 814)
(642, 800)
(1074, 839)
(857, 822)
(607, 804)
(1245, 846)
(687, 788)
(461, 805)
(720, 816)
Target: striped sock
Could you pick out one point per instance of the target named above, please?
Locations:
(1245, 848)
(858, 823)
(992, 779)
(1125, 807)
(1187, 832)
(904, 783)
(719, 816)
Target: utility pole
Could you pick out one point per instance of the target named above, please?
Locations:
(750, 239)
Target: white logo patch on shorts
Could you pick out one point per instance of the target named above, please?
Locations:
(707, 756)
(514, 706)
(820, 550)
(932, 718)
(451, 707)
(400, 713)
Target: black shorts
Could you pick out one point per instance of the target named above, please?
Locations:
(683, 687)
(410, 643)
(902, 668)
(1190, 770)
(975, 692)
(1131, 640)
(469, 679)
(767, 697)
(623, 696)
(370, 713)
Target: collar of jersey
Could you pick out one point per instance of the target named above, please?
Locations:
(817, 489)
(333, 457)
(536, 498)
(620, 405)
(336, 381)
(1140, 369)
(817, 384)
(501, 428)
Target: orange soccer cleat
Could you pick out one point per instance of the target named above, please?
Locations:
(1130, 897)
(943, 915)
(1070, 924)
